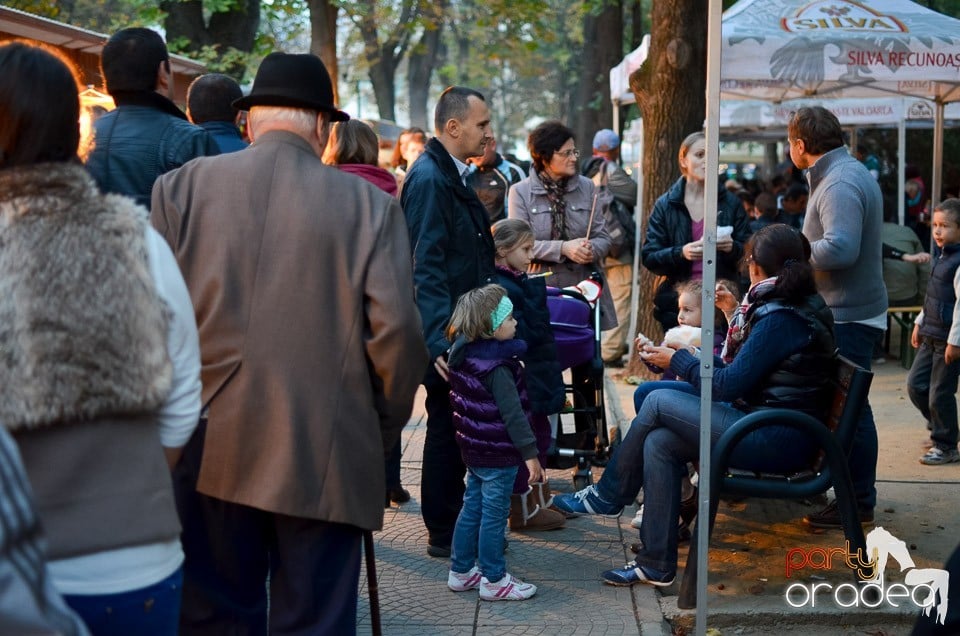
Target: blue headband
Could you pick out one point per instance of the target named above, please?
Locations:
(504, 309)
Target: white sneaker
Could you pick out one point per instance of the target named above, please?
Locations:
(464, 582)
(637, 520)
(506, 589)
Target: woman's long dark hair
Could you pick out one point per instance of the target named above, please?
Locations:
(782, 251)
(39, 106)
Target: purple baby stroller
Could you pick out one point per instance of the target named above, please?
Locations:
(576, 330)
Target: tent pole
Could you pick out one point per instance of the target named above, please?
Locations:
(637, 219)
(711, 186)
(901, 167)
(936, 184)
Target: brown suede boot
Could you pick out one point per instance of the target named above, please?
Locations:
(526, 514)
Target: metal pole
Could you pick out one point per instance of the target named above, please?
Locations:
(901, 166)
(936, 184)
(637, 218)
(711, 186)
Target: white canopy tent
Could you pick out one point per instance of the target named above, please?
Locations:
(778, 50)
(782, 49)
(826, 52)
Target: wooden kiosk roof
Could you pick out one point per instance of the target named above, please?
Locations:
(83, 47)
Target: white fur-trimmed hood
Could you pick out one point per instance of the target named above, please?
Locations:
(83, 332)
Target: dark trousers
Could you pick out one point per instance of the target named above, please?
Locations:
(932, 386)
(313, 566)
(442, 485)
(392, 465)
(856, 342)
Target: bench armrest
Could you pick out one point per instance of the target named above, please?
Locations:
(821, 435)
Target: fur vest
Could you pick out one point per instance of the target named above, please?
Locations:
(83, 332)
(83, 360)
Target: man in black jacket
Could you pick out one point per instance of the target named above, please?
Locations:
(453, 252)
(146, 135)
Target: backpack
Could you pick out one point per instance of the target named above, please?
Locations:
(618, 217)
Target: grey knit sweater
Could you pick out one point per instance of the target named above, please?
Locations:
(844, 216)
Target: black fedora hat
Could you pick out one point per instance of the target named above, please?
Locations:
(294, 81)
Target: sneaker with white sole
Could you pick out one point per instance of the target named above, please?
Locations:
(631, 573)
(637, 520)
(508, 588)
(936, 456)
(464, 582)
(587, 502)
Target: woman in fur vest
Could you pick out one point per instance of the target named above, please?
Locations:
(99, 361)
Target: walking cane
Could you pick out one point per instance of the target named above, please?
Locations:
(372, 583)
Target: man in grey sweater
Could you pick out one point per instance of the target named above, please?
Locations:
(843, 221)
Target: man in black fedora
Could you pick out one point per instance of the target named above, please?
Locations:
(302, 283)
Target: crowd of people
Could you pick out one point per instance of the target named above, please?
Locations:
(214, 327)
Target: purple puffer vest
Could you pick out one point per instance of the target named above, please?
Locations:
(481, 433)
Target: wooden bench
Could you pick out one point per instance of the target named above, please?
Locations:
(904, 317)
(833, 437)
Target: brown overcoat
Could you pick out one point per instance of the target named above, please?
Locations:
(301, 279)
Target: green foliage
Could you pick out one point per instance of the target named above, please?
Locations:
(45, 8)
(102, 16)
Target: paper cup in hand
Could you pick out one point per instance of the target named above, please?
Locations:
(724, 231)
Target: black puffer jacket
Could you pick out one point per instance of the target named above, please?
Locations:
(668, 230)
(543, 373)
(450, 238)
(800, 382)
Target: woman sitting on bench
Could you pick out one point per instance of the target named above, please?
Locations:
(781, 352)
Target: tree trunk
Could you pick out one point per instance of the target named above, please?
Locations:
(323, 39)
(236, 28)
(421, 62)
(185, 19)
(384, 58)
(233, 29)
(669, 89)
(636, 23)
(593, 108)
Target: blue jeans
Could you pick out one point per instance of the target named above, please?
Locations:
(645, 389)
(664, 436)
(478, 535)
(150, 611)
(932, 385)
(856, 342)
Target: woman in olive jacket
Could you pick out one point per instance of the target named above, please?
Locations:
(673, 246)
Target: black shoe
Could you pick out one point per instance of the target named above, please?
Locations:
(439, 551)
(397, 495)
(829, 517)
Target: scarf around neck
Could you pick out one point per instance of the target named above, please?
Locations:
(735, 333)
(556, 195)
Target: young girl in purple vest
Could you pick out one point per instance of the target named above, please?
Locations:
(491, 413)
